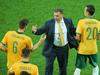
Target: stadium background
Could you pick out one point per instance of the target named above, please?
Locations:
(38, 11)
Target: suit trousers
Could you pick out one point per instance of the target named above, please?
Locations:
(61, 53)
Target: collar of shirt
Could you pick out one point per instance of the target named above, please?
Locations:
(62, 21)
(57, 41)
(62, 25)
(89, 17)
(20, 32)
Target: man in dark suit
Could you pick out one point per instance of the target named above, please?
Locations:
(59, 37)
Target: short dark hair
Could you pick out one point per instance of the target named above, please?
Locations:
(11, 73)
(23, 23)
(59, 10)
(24, 73)
(26, 52)
(90, 9)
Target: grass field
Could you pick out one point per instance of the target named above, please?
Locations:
(38, 11)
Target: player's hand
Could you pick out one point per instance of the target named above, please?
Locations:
(98, 37)
(34, 28)
(3, 48)
(0, 45)
(42, 38)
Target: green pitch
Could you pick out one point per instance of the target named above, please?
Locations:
(38, 11)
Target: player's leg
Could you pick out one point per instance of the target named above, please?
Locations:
(80, 63)
(77, 71)
(95, 70)
(93, 62)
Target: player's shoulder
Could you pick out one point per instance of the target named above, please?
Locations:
(27, 37)
(87, 19)
(10, 32)
(15, 64)
(34, 66)
(82, 20)
(90, 19)
(96, 21)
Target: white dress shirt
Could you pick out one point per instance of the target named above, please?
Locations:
(57, 41)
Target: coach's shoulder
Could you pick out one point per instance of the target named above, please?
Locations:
(50, 20)
(68, 19)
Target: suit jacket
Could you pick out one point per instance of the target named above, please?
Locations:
(49, 29)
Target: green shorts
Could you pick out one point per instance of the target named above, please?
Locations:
(81, 60)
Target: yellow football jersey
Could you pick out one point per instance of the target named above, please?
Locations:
(15, 42)
(88, 28)
(18, 67)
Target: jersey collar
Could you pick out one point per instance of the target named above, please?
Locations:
(25, 61)
(89, 16)
(20, 32)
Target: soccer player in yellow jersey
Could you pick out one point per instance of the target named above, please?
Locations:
(23, 67)
(15, 41)
(88, 30)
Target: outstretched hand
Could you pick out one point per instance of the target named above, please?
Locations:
(3, 48)
(0, 45)
(42, 38)
(34, 28)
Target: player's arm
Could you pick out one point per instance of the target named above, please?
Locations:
(10, 71)
(3, 47)
(78, 37)
(4, 42)
(42, 38)
(30, 44)
(98, 36)
(35, 71)
(79, 31)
